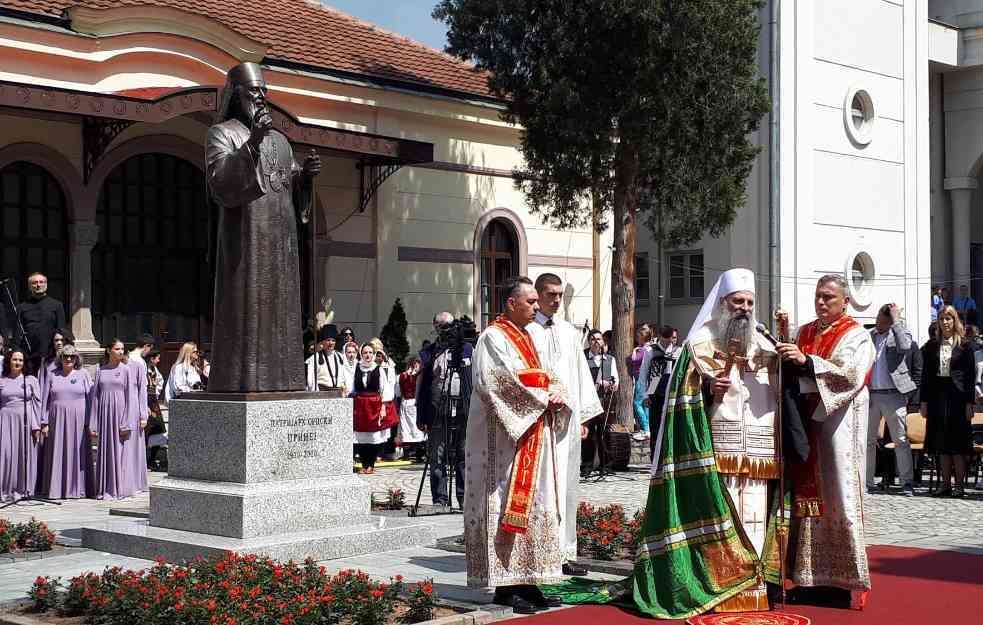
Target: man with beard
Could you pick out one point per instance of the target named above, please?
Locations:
(705, 543)
(259, 191)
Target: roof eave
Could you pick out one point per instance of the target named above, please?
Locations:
(386, 84)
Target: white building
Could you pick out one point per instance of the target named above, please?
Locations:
(843, 184)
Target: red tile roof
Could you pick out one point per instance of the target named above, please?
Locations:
(305, 32)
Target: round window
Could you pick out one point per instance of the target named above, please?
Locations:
(859, 115)
(860, 272)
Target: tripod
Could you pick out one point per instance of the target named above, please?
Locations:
(449, 411)
(25, 465)
(605, 450)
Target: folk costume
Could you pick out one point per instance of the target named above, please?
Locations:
(827, 546)
(326, 369)
(558, 344)
(406, 391)
(602, 368)
(512, 510)
(371, 420)
(706, 542)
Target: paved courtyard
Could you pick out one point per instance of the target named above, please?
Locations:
(891, 519)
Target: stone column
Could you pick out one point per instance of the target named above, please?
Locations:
(961, 193)
(82, 237)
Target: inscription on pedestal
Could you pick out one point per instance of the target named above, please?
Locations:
(250, 442)
(303, 443)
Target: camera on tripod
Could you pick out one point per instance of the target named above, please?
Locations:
(452, 336)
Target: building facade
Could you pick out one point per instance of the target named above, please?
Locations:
(841, 184)
(104, 109)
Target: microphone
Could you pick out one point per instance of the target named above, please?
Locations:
(763, 330)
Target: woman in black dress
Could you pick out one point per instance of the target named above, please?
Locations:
(947, 398)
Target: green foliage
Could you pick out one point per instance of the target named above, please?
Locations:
(605, 533)
(420, 603)
(648, 103)
(394, 335)
(44, 594)
(31, 535)
(233, 589)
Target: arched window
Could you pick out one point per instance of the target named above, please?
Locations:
(499, 262)
(149, 271)
(33, 230)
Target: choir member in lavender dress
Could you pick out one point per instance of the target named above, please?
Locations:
(49, 364)
(19, 428)
(135, 447)
(67, 465)
(109, 420)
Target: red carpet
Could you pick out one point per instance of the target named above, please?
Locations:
(909, 587)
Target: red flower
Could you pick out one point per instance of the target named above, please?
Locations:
(377, 593)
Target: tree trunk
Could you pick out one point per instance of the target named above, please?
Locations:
(625, 207)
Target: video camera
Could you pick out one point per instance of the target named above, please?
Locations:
(452, 336)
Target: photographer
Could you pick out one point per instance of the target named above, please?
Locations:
(443, 397)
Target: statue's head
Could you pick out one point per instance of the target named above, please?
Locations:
(244, 93)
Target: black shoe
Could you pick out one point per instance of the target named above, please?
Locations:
(508, 597)
(942, 492)
(535, 596)
(572, 568)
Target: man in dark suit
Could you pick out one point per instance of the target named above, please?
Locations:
(41, 314)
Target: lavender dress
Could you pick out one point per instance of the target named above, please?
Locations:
(16, 443)
(135, 447)
(67, 465)
(38, 449)
(109, 414)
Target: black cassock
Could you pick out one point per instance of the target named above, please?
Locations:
(257, 322)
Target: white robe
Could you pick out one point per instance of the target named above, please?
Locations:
(561, 353)
(329, 373)
(501, 411)
(830, 550)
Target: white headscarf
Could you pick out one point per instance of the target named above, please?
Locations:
(731, 281)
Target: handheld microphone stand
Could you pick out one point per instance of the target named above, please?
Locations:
(29, 442)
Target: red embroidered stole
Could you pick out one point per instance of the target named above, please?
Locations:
(525, 467)
(807, 477)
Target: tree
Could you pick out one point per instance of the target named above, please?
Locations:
(394, 335)
(644, 105)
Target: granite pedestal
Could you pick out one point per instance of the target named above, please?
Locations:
(269, 475)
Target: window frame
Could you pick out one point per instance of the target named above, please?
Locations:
(642, 260)
(50, 207)
(490, 252)
(688, 275)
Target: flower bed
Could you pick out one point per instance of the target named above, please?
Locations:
(606, 533)
(33, 535)
(234, 590)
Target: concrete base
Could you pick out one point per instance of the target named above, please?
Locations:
(239, 510)
(269, 475)
(138, 539)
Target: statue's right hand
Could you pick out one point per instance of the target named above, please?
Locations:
(262, 123)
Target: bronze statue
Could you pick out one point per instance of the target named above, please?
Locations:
(258, 188)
